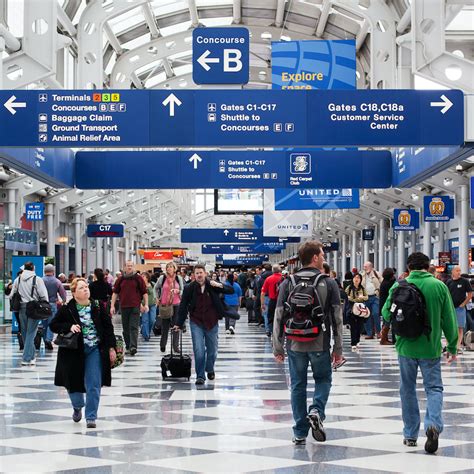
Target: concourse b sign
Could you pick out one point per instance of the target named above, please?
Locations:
(154, 118)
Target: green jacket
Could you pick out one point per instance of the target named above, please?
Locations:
(440, 313)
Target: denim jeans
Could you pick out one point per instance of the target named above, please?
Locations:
(29, 327)
(47, 333)
(92, 381)
(373, 304)
(231, 321)
(431, 372)
(322, 373)
(268, 325)
(148, 320)
(205, 343)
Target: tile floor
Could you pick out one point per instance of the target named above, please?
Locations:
(239, 423)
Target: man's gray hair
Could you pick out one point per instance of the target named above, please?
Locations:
(276, 268)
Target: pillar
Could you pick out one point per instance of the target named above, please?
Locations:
(115, 257)
(381, 244)
(50, 234)
(99, 252)
(336, 259)
(464, 230)
(107, 263)
(127, 247)
(78, 240)
(427, 239)
(354, 249)
(12, 222)
(413, 239)
(365, 251)
(391, 252)
(441, 238)
(343, 255)
(401, 260)
(66, 251)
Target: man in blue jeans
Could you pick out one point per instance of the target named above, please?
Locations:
(424, 352)
(201, 300)
(371, 282)
(314, 352)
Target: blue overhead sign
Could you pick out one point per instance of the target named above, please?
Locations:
(221, 55)
(438, 208)
(269, 248)
(368, 234)
(240, 261)
(233, 169)
(302, 199)
(105, 230)
(406, 219)
(472, 192)
(34, 211)
(199, 235)
(318, 118)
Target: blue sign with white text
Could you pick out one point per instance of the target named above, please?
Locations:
(269, 248)
(302, 199)
(105, 230)
(34, 211)
(199, 235)
(406, 219)
(438, 208)
(221, 55)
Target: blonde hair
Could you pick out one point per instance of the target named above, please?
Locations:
(75, 282)
(172, 264)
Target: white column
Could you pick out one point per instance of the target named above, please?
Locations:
(12, 221)
(78, 240)
(336, 259)
(365, 247)
(354, 249)
(391, 252)
(106, 254)
(127, 247)
(115, 257)
(413, 239)
(441, 239)
(401, 261)
(427, 239)
(99, 252)
(375, 249)
(66, 251)
(464, 229)
(381, 246)
(50, 227)
(343, 255)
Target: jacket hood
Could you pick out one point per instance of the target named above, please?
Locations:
(27, 274)
(420, 274)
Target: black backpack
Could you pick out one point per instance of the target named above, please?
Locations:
(304, 312)
(408, 311)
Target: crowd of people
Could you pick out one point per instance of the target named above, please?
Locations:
(303, 312)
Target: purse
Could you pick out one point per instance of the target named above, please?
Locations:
(167, 310)
(38, 309)
(15, 301)
(119, 351)
(69, 340)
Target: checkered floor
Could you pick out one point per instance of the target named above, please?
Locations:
(239, 423)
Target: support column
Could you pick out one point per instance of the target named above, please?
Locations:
(365, 247)
(401, 260)
(375, 249)
(343, 255)
(115, 257)
(99, 252)
(50, 234)
(464, 229)
(441, 238)
(427, 239)
(66, 251)
(127, 247)
(78, 240)
(413, 239)
(354, 249)
(381, 246)
(391, 252)
(106, 254)
(12, 221)
(336, 259)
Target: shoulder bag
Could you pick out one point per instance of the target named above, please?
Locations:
(15, 300)
(37, 309)
(69, 340)
(166, 310)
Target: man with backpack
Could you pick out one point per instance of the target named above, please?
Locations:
(131, 288)
(270, 294)
(420, 309)
(308, 310)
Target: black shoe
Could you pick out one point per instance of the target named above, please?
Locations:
(163, 349)
(317, 427)
(91, 424)
(431, 445)
(133, 351)
(200, 381)
(410, 442)
(269, 334)
(211, 375)
(299, 441)
(77, 415)
(20, 341)
(37, 342)
(49, 346)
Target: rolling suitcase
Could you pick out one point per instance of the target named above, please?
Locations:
(176, 365)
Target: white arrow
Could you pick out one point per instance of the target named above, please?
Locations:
(171, 100)
(446, 104)
(203, 60)
(11, 105)
(226, 232)
(195, 159)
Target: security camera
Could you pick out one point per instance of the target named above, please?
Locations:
(459, 168)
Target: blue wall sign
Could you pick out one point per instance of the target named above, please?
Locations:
(105, 230)
(233, 169)
(301, 199)
(249, 236)
(406, 219)
(243, 249)
(221, 55)
(123, 118)
(318, 64)
(368, 234)
(438, 208)
(34, 211)
(330, 246)
(240, 261)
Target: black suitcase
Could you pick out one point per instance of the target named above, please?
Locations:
(176, 365)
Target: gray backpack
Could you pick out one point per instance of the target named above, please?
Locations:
(469, 340)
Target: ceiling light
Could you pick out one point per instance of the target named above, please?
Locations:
(459, 168)
(89, 209)
(131, 193)
(103, 204)
(448, 181)
(414, 197)
(79, 192)
(107, 217)
(119, 212)
(63, 198)
(28, 184)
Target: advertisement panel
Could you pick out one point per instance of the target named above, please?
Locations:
(406, 219)
(438, 208)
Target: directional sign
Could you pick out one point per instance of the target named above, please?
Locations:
(221, 55)
(438, 208)
(240, 261)
(233, 169)
(406, 219)
(368, 234)
(227, 236)
(34, 211)
(208, 249)
(330, 246)
(301, 199)
(230, 118)
(105, 230)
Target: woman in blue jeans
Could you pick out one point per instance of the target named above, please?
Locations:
(148, 317)
(87, 368)
(232, 301)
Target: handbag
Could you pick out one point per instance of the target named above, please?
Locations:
(167, 310)
(69, 340)
(119, 351)
(37, 309)
(15, 301)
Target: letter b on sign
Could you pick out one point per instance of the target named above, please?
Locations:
(232, 60)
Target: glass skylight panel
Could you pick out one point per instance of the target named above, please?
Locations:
(464, 20)
(213, 3)
(222, 21)
(135, 43)
(422, 83)
(15, 17)
(173, 29)
(126, 21)
(164, 7)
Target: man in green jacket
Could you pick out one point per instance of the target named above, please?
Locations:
(425, 352)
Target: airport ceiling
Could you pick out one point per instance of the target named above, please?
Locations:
(163, 29)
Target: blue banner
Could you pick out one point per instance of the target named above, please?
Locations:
(34, 211)
(301, 199)
(318, 64)
(406, 219)
(438, 208)
(105, 230)
(249, 236)
(267, 248)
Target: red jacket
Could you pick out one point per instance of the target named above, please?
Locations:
(130, 290)
(270, 286)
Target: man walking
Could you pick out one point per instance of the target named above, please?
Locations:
(424, 352)
(269, 295)
(313, 351)
(131, 288)
(264, 300)
(461, 293)
(371, 282)
(201, 299)
(54, 288)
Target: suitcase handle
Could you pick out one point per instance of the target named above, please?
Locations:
(180, 335)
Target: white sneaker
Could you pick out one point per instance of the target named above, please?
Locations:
(23, 362)
(354, 348)
(232, 330)
(32, 362)
(358, 345)
(228, 331)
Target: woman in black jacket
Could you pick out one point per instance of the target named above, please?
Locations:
(388, 276)
(100, 288)
(87, 368)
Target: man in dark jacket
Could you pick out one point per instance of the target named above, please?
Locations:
(201, 299)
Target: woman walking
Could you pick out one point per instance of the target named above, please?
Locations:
(148, 317)
(88, 367)
(232, 301)
(356, 294)
(389, 279)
